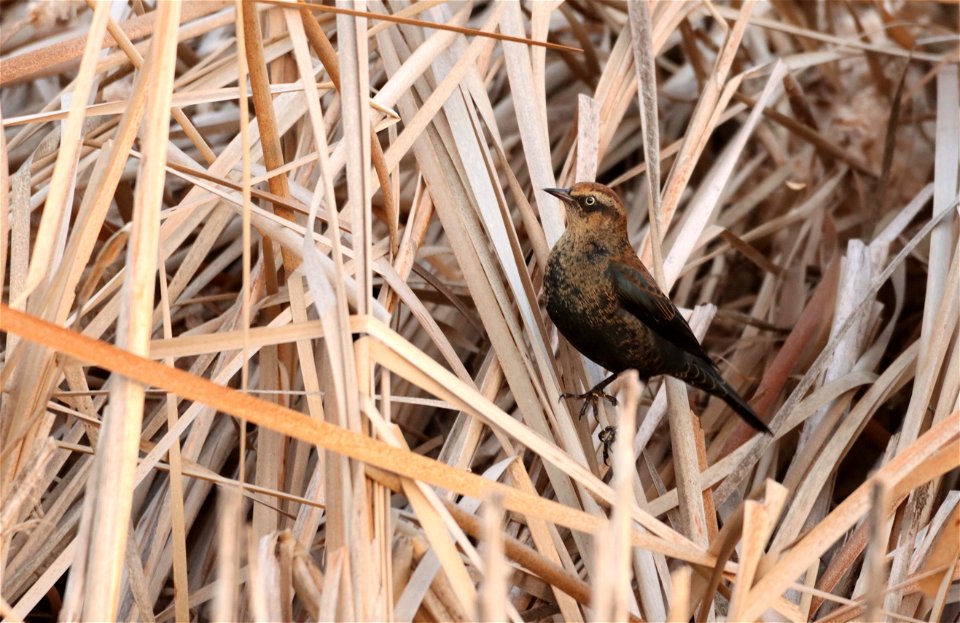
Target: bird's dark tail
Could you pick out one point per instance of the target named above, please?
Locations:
(738, 404)
(707, 378)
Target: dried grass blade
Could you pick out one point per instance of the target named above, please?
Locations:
(62, 181)
(5, 213)
(624, 460)
(110, 489)
(546, 541)
(38, 62)
(532, 121)
(322, 434)
(680, 606)
(699, 128)
(705, 201)
(493, 592)
(855, 43)
(896, 473)
(416, 22)
(817, 366)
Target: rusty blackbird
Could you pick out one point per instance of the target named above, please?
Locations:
(602, 299)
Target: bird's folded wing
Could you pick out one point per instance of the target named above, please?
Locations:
(640, 296)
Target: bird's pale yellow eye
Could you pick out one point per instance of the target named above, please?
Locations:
(590, 201)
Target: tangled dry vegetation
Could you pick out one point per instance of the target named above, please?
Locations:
(280, 356)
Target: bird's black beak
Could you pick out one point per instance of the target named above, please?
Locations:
(563, 194)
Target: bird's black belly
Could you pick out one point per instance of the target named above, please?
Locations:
(588, 314)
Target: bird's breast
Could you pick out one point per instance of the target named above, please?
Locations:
(575, 283)
(580, 299)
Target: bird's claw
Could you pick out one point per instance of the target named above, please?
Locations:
(608, 436)
(590, 398)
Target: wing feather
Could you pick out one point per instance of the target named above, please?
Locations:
(640, 296)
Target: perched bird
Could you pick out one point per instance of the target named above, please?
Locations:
(603, 300)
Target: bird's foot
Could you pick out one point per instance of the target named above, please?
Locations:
(608, 436)
(590, 398)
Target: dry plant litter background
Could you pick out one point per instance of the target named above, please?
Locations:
(275, 352)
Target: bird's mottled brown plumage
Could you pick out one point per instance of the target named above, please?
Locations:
(603, 300)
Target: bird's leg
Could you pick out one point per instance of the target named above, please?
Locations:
(609, 434)
(593, 396)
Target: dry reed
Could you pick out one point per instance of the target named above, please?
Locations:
(271, 343)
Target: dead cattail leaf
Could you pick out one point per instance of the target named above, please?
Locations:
(317, 234)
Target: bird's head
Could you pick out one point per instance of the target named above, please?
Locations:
(592, 205)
